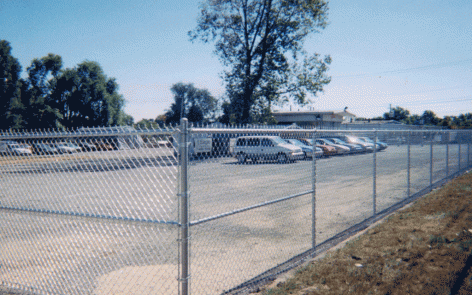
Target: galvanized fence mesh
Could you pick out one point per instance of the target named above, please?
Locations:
(89, 211)
(188, 210)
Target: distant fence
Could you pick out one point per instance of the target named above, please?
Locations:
(174, 211)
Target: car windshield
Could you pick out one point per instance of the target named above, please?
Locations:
(328, 141)
(339, 141)
(296, 142)
(278, 140)
(310, 141)
(366, 139)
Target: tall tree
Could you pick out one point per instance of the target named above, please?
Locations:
(260, 42)
(198, 105)
(40, 111)
(10, 102)
(429, 118)
(398, 114)
(86, 97)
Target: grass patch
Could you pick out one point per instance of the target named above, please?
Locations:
(423, 249)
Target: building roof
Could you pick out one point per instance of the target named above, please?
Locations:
(319, 112)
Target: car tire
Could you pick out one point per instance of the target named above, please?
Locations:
(241, 158)
(281, 158)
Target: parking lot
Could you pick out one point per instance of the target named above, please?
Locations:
(132, 197)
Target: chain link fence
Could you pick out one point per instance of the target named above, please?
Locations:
(184, 210)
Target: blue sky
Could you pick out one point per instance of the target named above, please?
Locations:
(416, 54)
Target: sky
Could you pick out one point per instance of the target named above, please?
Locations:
(416, 54)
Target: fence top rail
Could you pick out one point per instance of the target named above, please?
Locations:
(267, 130)
(79, 133)
(97, 132)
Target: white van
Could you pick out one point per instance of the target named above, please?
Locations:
(14, 148)
(264, 147)
(201, 144)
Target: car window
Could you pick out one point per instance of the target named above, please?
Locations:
(253, 142)
(266, 142)
(309, 141)
(278, 140)
(241, 142)
(296, 142)
(328, 141)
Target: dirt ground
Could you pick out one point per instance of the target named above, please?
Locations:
(422, 249)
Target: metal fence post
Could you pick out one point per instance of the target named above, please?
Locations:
(468, 152)
(374, 172)
(408, 164)
(184, 213)
(313, 197)
(447, 154)
(431, 160)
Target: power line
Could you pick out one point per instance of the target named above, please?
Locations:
(433, 90)
(423, 102)
(399, 71)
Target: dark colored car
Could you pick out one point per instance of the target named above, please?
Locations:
(87, 146)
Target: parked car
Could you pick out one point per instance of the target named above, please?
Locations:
(340, 149)
(86, 146)
(327, 150)
(355, 148)
(382, 145)
(369, 147)
(16, 149)
(45, 149)
(307, 149)
(265, 147)
(67, 147)
(104, 146)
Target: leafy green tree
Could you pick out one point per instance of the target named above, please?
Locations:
(429, 118)
(10, 101)
(161, 120)
(50, 97)
(128, 120)
(40, 111)
(398, 114)
(260, 42)
(463, 121)
(86, 97)
(197, 105)
(446, 122)
(413, 120)
(146, 124)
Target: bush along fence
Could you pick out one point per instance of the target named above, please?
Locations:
(199, 210)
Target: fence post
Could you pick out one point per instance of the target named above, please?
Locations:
(468, 152)
(431, 160)
(184, 214)
(313, 197)
(459, 160)
(447, 154)
(408, 164)
(374, 172)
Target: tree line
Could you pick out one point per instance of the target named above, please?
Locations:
(259, 42)
(428, 118)
(53, 97)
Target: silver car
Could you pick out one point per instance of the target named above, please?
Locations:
(255, 148)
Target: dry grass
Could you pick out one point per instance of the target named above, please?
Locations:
(423, 249)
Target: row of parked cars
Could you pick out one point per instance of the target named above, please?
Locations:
(263, 147)
(8, 147)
